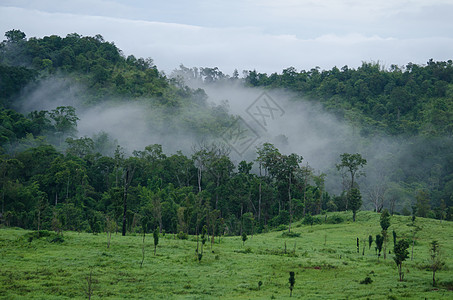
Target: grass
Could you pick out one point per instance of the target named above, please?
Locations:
(324, 258)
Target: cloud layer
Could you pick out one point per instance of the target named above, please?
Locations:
(264, 35)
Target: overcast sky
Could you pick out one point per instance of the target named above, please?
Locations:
(266, 35)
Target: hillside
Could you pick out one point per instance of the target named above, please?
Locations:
(87, 134)
(324, 258)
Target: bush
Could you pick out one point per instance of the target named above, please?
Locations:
(290, 234)
(335, 219)
(281, 227)
(57, 239)
(44, 235)
(182, 235)
(367, 280)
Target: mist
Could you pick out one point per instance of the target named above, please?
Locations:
(320, 137)
(132, 124)
(296, 126)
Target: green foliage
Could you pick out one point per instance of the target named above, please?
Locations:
(379, 243)
(401, 253)
(308, 219)
(81, 180)
(367, 280)
(182, 235)
(385, 220)
(244, 237)
(290, 234)
(436, 260)
(292, 281)
(355, 201)
(156, 239)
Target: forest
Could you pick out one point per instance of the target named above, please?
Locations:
(53, 178)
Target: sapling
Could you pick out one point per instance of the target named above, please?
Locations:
(260, 283)
(379, 242)
(437, 262)
(156, 239)
(292, 281)
(385, 224)
(401, 254)
(204, 232)
(244, 238)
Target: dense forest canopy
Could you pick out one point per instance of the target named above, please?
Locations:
(53, 177)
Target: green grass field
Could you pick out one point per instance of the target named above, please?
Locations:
(324, 258)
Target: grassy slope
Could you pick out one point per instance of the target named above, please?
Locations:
(326, 263)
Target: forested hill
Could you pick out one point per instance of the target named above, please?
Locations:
(408, 100)
(51, 177)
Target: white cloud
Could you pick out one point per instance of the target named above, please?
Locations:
(263, 35)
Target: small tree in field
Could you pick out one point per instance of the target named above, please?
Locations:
(244, 238)
(156, 239)
(436, 262)
(379, 242)
(110, 227)
(355, 201)
(385, 224)
(401, 253)
(292, 281)
(204, 232)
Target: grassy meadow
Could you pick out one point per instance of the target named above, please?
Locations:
(324, 258)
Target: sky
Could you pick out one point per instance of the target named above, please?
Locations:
(264, 35)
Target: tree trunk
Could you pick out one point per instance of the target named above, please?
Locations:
(242, 219)
(199, 180)
(290, 203)
(259, 198)
(143, 249)
(126, 186)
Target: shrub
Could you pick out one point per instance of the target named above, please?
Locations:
(367, 280)
(281, 227)
(290, 234)
(182, 235)
(335, 219)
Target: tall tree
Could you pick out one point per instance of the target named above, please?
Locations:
(351, 164)
(130, 167)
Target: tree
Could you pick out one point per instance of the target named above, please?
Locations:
(351, 163)
(244, 238)
(15, 36)
(156, 239)
(131, 165)
(292, 281)
(64, 120)
(401, 253)
(204, 232)
(110, 227)
(436, 261)
(385, 224)
(379, 242)
(355, 201)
